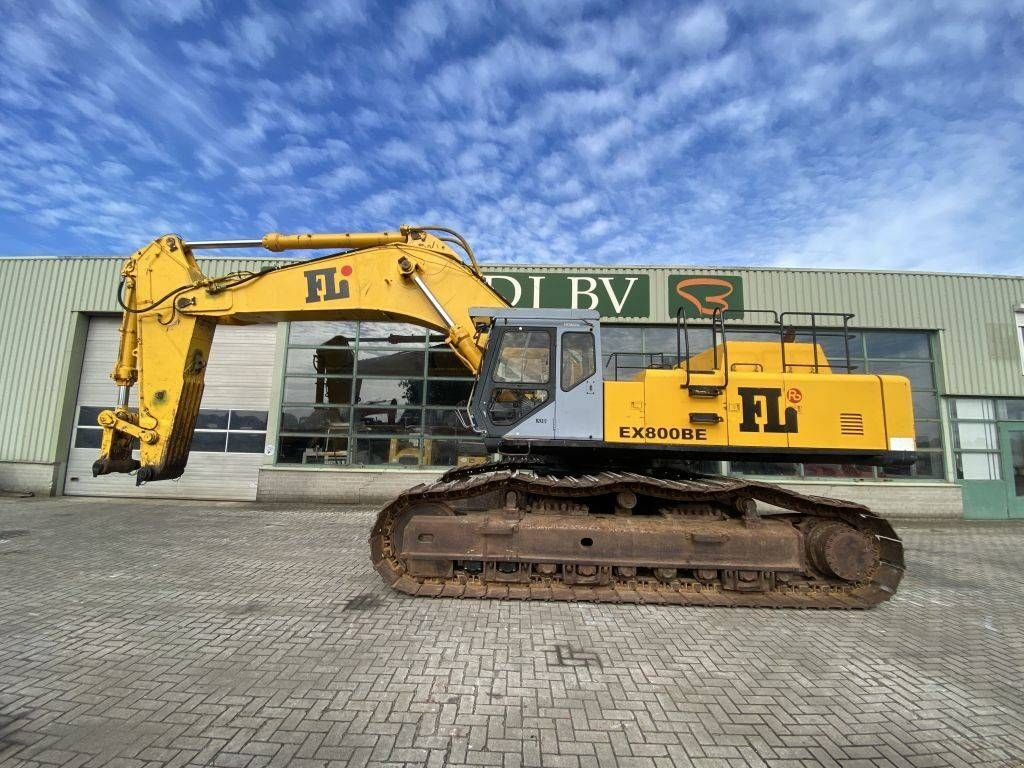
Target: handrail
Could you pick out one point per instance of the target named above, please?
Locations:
(717, 321)
(613, 359)
(777, 322)
(846, 317)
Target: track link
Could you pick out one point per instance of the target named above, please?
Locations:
(812, 589)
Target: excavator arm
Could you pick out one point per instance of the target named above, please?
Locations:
(171, 310)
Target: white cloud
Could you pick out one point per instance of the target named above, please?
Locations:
(206, 53)
(26, 47)
(174, 11)
(334, 14)
(254, 38)
(420, 24)
(311, 88)
(341, 178)
(579, 209)
(399, 152)
(678, 87)
(598, 228)
(936, 217)
(701, 31)
(597, 143)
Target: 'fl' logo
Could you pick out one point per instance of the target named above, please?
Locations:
(325, 282)
(763, 403)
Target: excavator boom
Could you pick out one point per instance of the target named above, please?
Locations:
(171, 310)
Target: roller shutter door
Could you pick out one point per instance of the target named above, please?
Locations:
(228, 446)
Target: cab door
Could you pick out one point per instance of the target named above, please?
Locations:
(579, 412)
(516, 391)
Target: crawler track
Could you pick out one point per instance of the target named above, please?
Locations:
(819, 537)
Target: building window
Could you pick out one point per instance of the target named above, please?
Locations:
(1019, 314)
(975, 423)
(372, 394)
(229, 431)
(908, 353)
(217, 430)
(88, 433)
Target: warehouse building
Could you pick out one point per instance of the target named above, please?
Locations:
(354, 412)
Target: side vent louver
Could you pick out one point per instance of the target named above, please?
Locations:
(851, 423)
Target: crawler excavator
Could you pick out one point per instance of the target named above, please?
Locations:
(590, 493)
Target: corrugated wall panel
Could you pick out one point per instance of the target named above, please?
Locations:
(38, 297)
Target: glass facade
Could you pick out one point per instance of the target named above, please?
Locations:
(974, 422)
(372, 394)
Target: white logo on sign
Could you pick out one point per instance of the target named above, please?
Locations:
(590, 292)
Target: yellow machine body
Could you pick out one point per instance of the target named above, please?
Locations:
(753, 401)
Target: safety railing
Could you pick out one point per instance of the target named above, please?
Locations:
(656, 360)
(784, 324)
(816, 330)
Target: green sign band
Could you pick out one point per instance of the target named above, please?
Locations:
(611, 295)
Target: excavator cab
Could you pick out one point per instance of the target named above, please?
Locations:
(539, 379)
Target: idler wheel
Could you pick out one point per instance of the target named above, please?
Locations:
(836, 549)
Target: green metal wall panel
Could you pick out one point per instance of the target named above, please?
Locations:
(38, 301)
(973, 316)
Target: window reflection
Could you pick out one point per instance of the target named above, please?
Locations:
(385, 362)
(928, 466)
(766, 468)
(319, 333)
(354, 395)
(312, 449)
(444, 363)
(314, 419)
(451, 393)
(837, 470)
(897, 344)
(919, 373)
(621, 348)
(392, 335)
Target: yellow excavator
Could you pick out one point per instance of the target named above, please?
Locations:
(591, 493)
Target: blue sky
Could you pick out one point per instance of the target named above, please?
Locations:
(847, 134)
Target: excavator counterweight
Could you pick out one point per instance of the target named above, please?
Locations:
(591, 494)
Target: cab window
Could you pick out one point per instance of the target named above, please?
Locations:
(524, 358)
(578, 362)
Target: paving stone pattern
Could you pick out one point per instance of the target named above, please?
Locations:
(191, 633)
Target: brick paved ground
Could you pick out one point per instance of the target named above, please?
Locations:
(224, 634)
